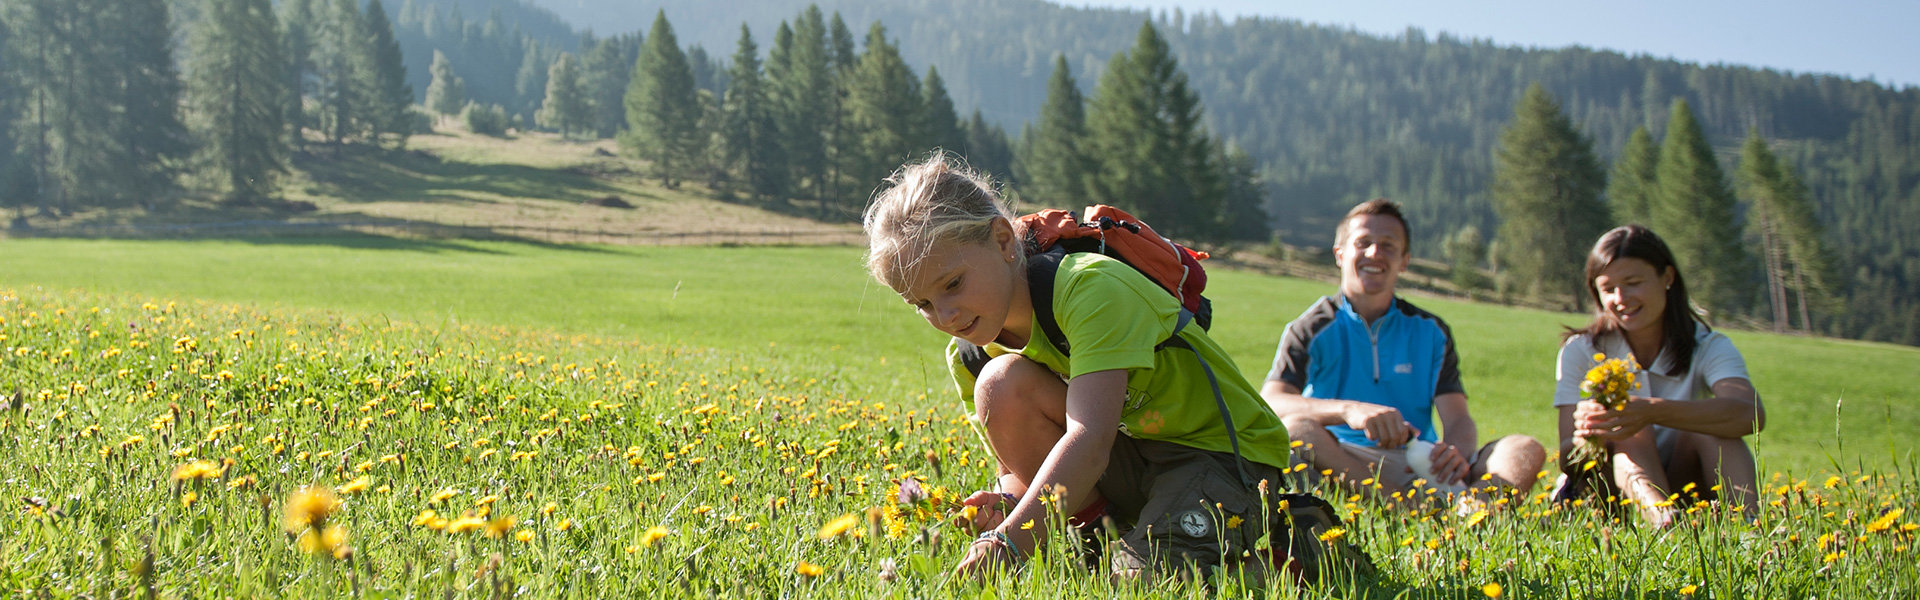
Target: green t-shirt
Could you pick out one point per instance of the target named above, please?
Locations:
(1114, 316)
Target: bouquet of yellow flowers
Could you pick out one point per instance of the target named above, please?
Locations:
(1608, 384)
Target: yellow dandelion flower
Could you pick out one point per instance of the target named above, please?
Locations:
(309, 507)
(1689, 590)
(808, 569)
(653, 536)
(425, 517)
(1885, 521)
(486, 500)
(198, 470)
(1233, 522)
(442, 496)
(1333, 534)
(499, 526)
(359, 484)
(330, 542)
(524, 536)
(465, 524)
(838, 526)
(1492, 590)
(187, 499)
(549, 508)
(563, 525)
(702, 509)
(1475, 519)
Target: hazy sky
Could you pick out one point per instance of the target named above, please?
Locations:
(1856, 38)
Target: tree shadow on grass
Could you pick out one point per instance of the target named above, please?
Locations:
(263, 227)
(363, 175)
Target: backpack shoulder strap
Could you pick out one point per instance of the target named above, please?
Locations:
(974, 358)
(1041, 269)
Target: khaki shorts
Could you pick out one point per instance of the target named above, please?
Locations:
(1173, 504)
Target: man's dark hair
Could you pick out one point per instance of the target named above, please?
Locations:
(1376, 206)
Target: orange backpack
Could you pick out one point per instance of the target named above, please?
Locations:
(1110, 231)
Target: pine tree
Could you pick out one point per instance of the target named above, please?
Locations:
(237, 94)
(883, 104)
(1546, 189)
(13, 171)
(1242, 216)
(530, 82)
(338, 65)
(1464, 249)
(663, 112)
(939, 124)
(30, 60)
(148, 135)
(839, 137)
(749, 137)
(988, 148)
(389, 96)
(1145, 135)
(1695, 214)
(605, 73)
(1056, 166)
(840, 39)
(301, 32)
(565, 109)
(803, 88)
(1635, 182)
(1781, 216)
(446, 93)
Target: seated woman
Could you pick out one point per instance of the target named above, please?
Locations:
(1692, 402)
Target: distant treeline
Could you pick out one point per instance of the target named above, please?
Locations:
(1331, 116)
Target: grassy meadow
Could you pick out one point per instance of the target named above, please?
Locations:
(494, 419)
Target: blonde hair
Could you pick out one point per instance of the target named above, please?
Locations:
(923, 204)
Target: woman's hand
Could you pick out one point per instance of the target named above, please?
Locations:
(990, 509)
(1591, 420)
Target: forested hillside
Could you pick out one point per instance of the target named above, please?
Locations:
(1255, 115)
(1333, 116)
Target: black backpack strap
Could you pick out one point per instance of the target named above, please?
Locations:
(1041, 269)
(974, 358)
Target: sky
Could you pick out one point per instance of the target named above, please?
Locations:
(1855, 38)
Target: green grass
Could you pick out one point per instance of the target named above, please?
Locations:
(626, 464)
(790, 303)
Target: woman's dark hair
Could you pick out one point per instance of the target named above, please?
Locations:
(1677, 323)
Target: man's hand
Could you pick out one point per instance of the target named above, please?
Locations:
(1592, 420)
(1450, 466)
(1382, 424)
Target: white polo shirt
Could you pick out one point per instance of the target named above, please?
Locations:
(1714, 359)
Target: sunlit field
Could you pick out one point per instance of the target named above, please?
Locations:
(391, 418)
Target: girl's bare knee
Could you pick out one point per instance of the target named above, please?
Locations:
(1013, 387)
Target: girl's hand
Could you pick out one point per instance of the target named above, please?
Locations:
(990, 508)
(988, 554)
(1591, 420)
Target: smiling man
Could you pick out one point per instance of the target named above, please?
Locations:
(1361, 375)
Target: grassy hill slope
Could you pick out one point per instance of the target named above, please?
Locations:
(815, 307)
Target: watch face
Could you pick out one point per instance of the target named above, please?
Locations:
(1193, 523)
